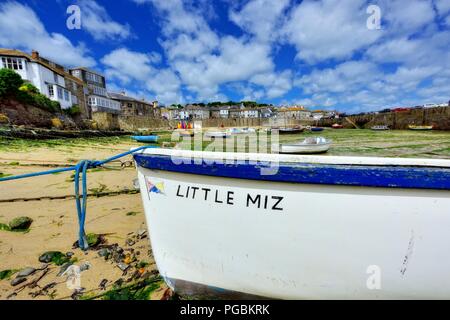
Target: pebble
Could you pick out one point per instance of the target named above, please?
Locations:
(18, 281)
(26, 272)
(105, 252)
(103, 284)
(141, 234)
(123, 266)
(64, 268)
(130, 242)
(119, 282)
(85, 266)
(70, 254)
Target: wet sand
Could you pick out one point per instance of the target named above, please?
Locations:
(55, 223)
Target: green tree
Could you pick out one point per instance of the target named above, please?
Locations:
(10, 82)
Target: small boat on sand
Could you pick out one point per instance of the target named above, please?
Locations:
(420, 128)
(186, 133)
(337, 126)
(217, 134)
(285, 130)
(241, 130)
(310, 145)
(330, 225)
(146, 139)
(316, 129)
(380, 128)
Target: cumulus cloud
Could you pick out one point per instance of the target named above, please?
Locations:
(21, 28)
(131, 68)
(262, 18)
(329, 29)
(96, 20)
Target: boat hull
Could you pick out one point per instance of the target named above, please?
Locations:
(304, 149)
(320, 241)
(152, 139)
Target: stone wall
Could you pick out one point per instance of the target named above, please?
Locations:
(438, 117)
(106, 121)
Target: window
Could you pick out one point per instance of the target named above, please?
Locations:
(60, 93)
(12, 63)
(66, 95)
(51, 92)
(55, 77)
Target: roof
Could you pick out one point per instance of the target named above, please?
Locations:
(88, 70)
(124, 97)
(18, 53)
(120, 96)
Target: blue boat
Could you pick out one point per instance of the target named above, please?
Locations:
(151, 138)
(316, 129)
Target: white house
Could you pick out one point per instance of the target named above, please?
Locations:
(48, 79)
(249, 113)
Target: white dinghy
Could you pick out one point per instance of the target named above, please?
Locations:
(310, 145)
(217, 134)
(298, 226)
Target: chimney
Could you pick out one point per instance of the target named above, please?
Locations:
(35, 55)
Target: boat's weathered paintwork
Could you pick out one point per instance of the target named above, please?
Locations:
(322, 227)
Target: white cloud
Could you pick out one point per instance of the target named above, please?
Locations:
(329, 29)
(137, 69)
(276, 84)
(127, 65)
(261, 18)
(96, 20)
(443, 6)
(347, 76)
(21, 28)
(406, 17)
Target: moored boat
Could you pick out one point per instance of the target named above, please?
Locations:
(421, 128)
(186, 133)
(146, 139)
(316, 129)
(392, 223)
(337, 126)
(287, 130)
(310, 145)
(379, 128)
(241, 130)
(217, 134)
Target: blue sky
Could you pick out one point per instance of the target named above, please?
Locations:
(320, 54)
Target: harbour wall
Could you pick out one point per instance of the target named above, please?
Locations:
(439, 117)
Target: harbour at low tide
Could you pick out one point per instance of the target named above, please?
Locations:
(54, 218)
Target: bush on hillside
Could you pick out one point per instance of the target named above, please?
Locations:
(10, 81)
(12, 84)
(73, 111)
(29, 88)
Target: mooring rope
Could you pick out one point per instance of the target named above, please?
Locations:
(80, 168)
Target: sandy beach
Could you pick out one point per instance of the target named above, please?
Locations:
(118, 217)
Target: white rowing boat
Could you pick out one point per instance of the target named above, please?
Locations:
(217, 134)
(314, 227)
(310, 145)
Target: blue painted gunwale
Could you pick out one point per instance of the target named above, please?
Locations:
(353, 175)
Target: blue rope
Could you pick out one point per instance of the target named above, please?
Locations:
(80, 168)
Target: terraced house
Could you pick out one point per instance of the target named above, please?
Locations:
(98, 100)
(50, 78)
(134, 107)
